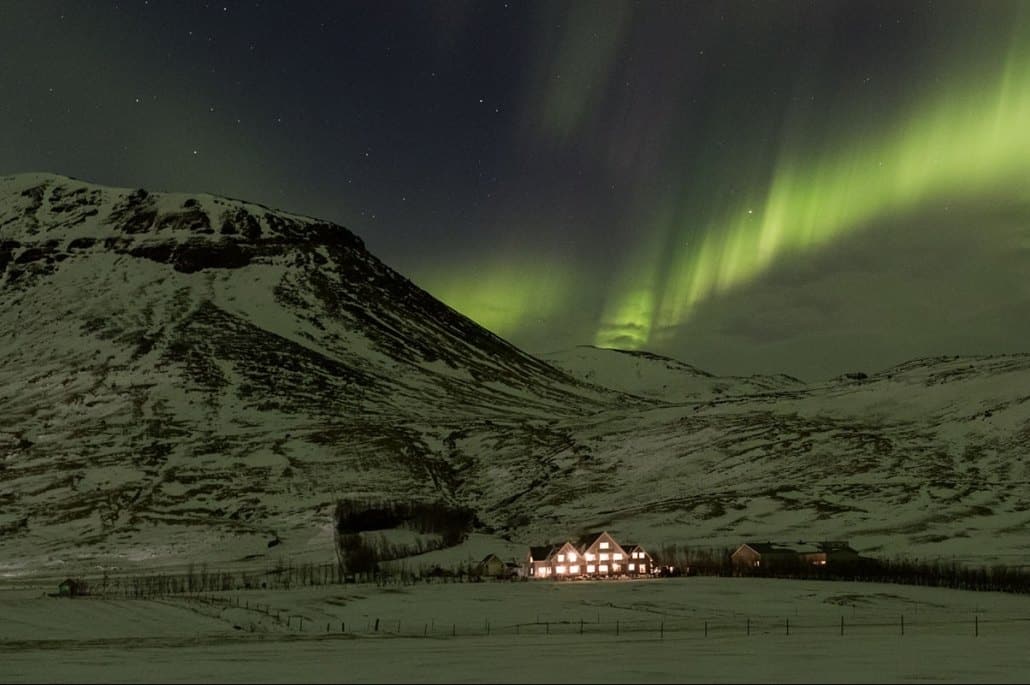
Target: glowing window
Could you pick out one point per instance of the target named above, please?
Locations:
(574, 569)
(632, 567)
(561, 557)
(560, 570)
(604, 557)
(604, 545)
(616, 567)
(591, 568)
(603, 568)
(617, 557)
(643, 568)
(590, 556)
(572, 556)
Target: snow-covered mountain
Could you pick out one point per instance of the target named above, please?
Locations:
(192, 377)
(197, 363)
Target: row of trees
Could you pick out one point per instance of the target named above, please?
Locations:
(358, 552)
(934, 573)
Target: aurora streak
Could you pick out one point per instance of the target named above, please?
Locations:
(952, 145)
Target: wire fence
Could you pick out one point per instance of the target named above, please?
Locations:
(252, 616)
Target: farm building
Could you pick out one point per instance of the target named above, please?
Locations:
(491, 567)
(71, 588)
(770, 555)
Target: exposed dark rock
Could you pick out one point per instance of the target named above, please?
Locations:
(194, 220)
(241, 222)
(194, 256)
(82, 243)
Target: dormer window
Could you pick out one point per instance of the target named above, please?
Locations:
(604, 545)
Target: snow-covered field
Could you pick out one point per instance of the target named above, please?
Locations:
(691, 629)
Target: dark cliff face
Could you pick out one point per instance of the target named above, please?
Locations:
(187, 237)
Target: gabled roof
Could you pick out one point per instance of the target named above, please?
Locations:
(488, 557)
(541, 552)
(587, 539)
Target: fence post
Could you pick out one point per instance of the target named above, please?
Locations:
(301, 623)
(706, 628)
(580, 626)
(661, 630)
(842, 626)
(425, 630)
(788, 627)
(976, 626)
(903, 624)
(377, 625)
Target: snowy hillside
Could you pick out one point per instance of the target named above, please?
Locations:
(179, 370)
(654, 376)
(197, 378)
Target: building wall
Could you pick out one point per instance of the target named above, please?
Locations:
(605, 557)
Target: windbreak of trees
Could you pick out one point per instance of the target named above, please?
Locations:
(357, 553)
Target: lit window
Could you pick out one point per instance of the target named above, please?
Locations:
(591, 568)
(560, 570)
(531, 572)
(561, 557)
(590, 556)
(643, 568)
(632, 567)
(604, 545)
(603, 568)
(574, 569)
(617, 557)
(572, 556)
(616, 567)
(604, 557)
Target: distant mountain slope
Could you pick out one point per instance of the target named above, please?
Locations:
(656, 377)
(929, 458)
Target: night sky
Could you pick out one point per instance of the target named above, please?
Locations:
(806, 187)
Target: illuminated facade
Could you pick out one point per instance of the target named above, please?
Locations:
(596, 555)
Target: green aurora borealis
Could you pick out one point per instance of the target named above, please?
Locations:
(952, 144)
(799, 186)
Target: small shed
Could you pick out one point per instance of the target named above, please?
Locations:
(763, 555)
(71, 588)
(491, 566)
